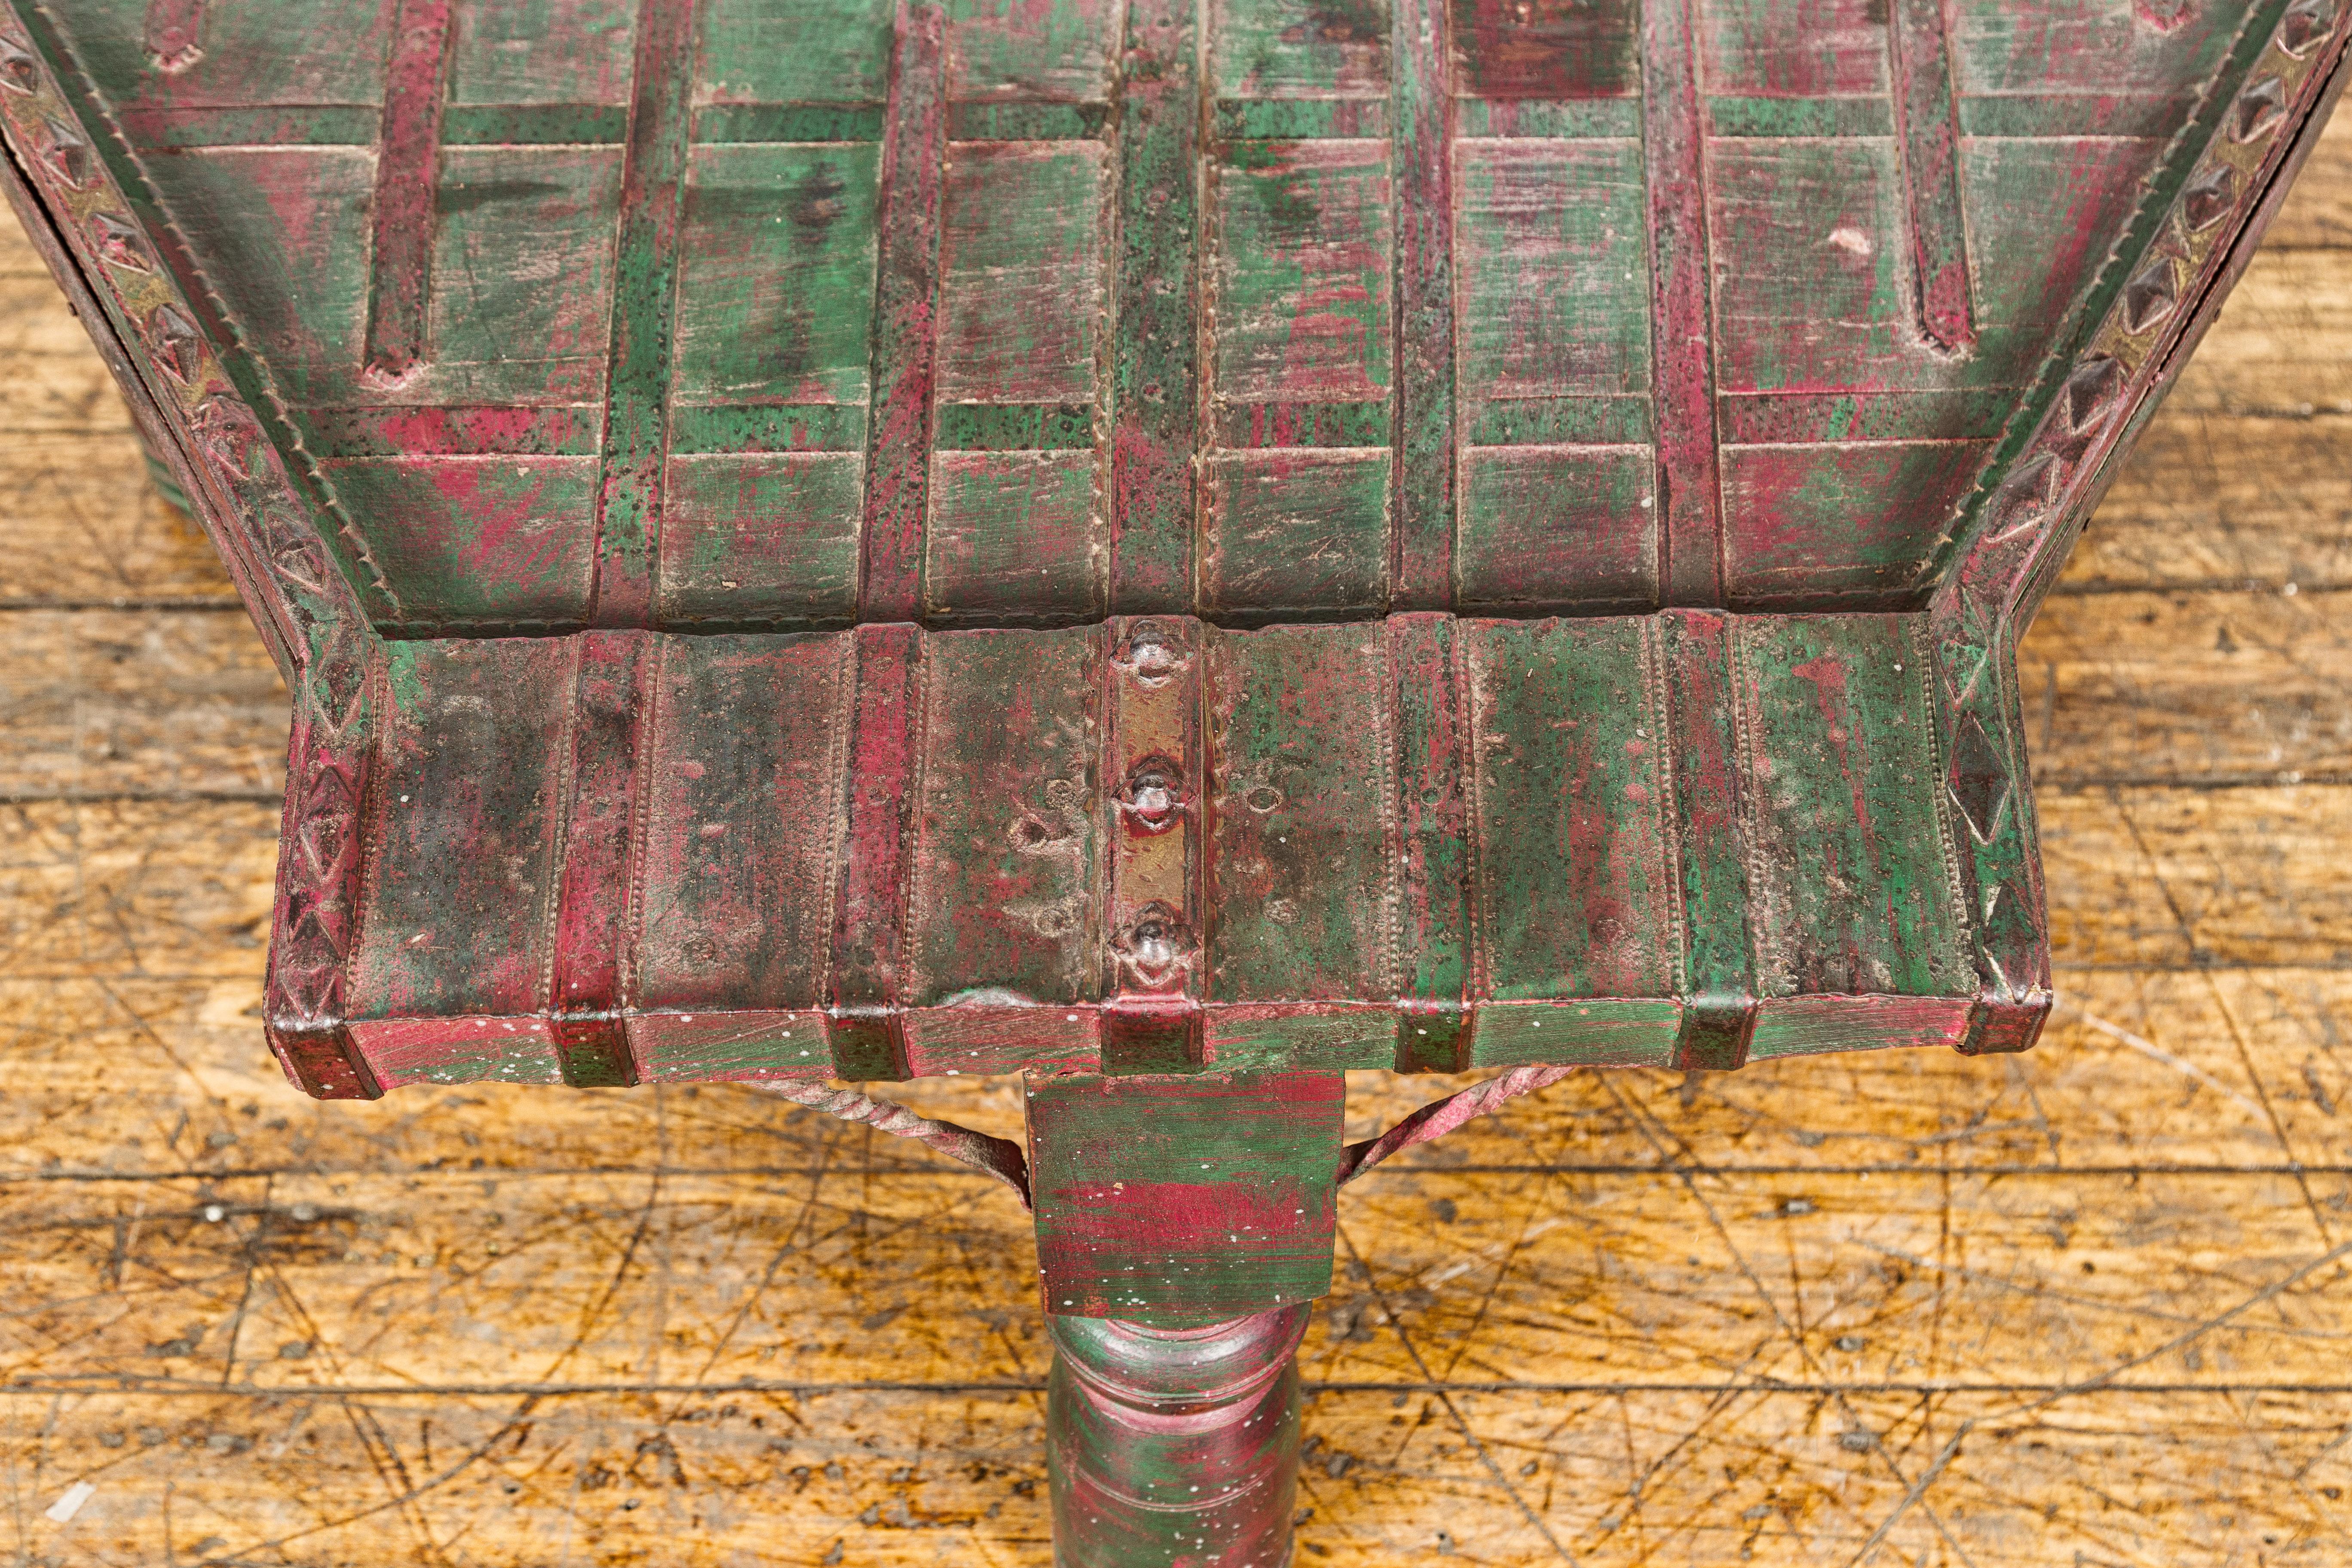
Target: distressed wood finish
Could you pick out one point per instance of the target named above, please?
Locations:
(793, 369)
(1679, 577)
(2187, 717)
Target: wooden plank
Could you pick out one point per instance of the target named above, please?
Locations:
(1232, 1176)
(906, 318)
(124, 702)
(1682, 310)
(1421, 110)
(448, 834)
(1853, 885)
(1567, 743)
(2202, 690)
(740, 919)
(407, 180)
(1299, 826)
(1880, 1197)
(2227, 502)
(1156, 298)
(645, 301)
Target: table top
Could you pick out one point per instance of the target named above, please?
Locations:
(1248, 407)
(2187, 717)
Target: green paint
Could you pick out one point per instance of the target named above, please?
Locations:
(543, 52)
(766, 541)
(1014, 426)
(1580, 119)
(1856, 893)
(645, 261)
(767, 427)
(1155, 311)
(1299, 534)
(1007, 870)
(273, 125)
(1299, 847)
(1026, 122)
(509, 221)
(1555, 294)
(1579, 421)
(1184, 1200)
(1572, 876)
(1800, 116)
(1058, 50)
(1276, 48)
(475, 542)
(1012, 536)
(690, 1048)
(1792, 417)
(811, 52)
(474, 124)
(1433, 839)
(1299, 118)
(1304, 307)
(775, 295)
(1630, 1032)
(1276, 425)
(1558, 529)
(1021, 275)
(720, 123)
(1338, 1041)
(460, 877)
(1814, 1026)
(1717, 973)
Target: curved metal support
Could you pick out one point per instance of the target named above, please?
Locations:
(1169, 1448)
(1439, 1117)
(991, 1156)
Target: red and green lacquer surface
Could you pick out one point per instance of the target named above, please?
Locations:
(1179, 547)
(783, 314)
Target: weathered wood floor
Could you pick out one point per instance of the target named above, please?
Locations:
(2092, 1307)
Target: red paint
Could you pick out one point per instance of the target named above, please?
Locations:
(630, 492)
(460, 431)
(1926, 121)
(593, 908)
(315, 923)
(869, 921)
(407, 176)
(1204, 1216)
(1688, 504)
(176, 33)
(1421, 571)
(906, 318)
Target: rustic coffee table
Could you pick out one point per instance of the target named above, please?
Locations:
(1176, 549)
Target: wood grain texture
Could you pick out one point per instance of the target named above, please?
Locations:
(2086, 1305)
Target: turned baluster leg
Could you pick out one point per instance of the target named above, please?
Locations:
(1174, 1446)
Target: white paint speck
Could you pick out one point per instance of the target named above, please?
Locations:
(1851, 240)
(62, 1511)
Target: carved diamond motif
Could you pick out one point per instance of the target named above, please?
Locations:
(2150, 297)
(18, 74)
(67, 153)
(2091, 391)
(228, 430)
(174, 339)
(2024, 495)
(117, 242)
(2258, 108)
(2207, 200)
(1978, 782)
(2305, 23)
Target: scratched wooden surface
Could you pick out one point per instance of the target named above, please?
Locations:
(2090, 1306)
